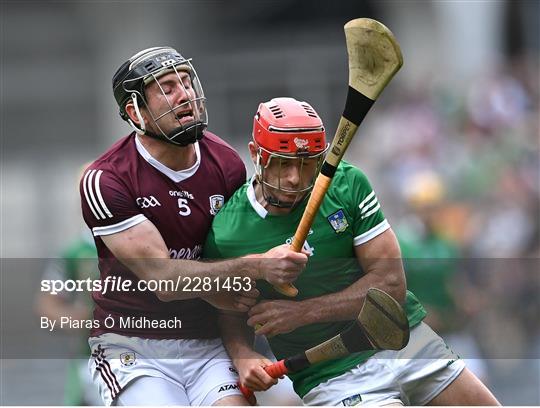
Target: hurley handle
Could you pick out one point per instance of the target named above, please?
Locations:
(317, 196)
(274, 370)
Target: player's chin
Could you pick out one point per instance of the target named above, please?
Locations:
(285, 197)
(287, 202)
(291, 200)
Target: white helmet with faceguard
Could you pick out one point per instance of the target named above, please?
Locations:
(146, 67)
(292, 133)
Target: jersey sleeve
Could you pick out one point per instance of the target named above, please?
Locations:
(107, 205)
(368, 218)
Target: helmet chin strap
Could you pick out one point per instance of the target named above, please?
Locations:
(276, 203)
(180, 136)
(142, 129)
(187, 136)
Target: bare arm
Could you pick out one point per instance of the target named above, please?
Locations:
(380, 259)
(56, 307)
(142, 249)
(238, 340)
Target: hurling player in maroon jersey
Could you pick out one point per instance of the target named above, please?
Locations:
(149, 201)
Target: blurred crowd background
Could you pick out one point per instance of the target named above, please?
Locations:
(452, 147)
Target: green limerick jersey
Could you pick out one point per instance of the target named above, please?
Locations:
(78, 261)
(350, 215)
(431, 263)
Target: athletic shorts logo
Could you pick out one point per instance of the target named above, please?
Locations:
(228, 387)
(338, 221)
(127, 359)
(146, 202)
(450, 362)
(216, 202)
(352, 401)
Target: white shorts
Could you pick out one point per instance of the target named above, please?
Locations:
(412, 376)
(199, 370)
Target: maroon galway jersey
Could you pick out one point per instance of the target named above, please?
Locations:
(127, 186)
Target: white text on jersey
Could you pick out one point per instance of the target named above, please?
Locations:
(186, 253)
(181, 194)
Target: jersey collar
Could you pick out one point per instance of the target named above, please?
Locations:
(259, 209)
(175, 176)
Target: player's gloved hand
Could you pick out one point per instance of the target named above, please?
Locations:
(270, 318)
(280, 265)
(234, 301)
(251, 371)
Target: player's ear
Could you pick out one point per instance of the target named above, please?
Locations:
(130, 110)
(252, 151)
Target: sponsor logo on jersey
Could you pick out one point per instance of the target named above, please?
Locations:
(233, 370)
(338, 221)
(352, 401)
(228, 387)
(308, 248)
(147, 202)
(181, 194)
(127, 359)
(300, 143)
(216, 202)
(186, 253)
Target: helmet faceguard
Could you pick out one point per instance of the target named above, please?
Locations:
(146, 67)
(291, 132)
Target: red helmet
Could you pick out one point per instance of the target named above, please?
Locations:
(287, 129)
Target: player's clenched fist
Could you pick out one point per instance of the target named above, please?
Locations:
(251, 371)
(280, 265)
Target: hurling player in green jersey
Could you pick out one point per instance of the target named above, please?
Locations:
(78, 261)
(351, 248)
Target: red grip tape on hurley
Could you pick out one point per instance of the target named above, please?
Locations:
(277, 369)
(274, 370)
(248, 394)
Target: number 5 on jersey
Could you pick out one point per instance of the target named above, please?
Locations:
(184, 208)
